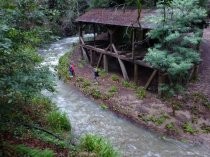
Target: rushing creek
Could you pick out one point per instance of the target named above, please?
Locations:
(87, 117)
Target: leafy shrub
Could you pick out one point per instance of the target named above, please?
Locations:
(33, 152)
(63, 66)
(115, 78)
(140, 93)
(86, 83)
(80, 79)
(58, 121)
(171, 90)
(96, 93)
(113, 89)
(104, 106)
(179, 37)
(102, 73)
(98, 145)
(159, 119)
(189, 128)
(170, 127)
(128, 84)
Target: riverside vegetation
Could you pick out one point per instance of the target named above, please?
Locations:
(30, 124)
(179, 113)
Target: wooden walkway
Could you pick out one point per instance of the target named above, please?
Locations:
(203, 85)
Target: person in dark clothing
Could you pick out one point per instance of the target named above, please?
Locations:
(71, 70)
(96, 74)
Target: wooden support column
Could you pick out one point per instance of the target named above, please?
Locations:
(133, 44)
(160, 82)
(105, 63)
(91, 57)
(136, 68)
(150, 79)
(94, 34)
(122, 65)
(110, 38)
(80, 36)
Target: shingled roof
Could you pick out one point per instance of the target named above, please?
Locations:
(118, 17)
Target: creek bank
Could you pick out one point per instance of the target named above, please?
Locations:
(190, 123)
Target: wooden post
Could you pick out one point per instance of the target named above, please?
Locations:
(160, 82)
(150, 79)
(94, 34)
(136, 68)
(99, 60)
(110, 38)
(80, 36)
(105, 63)
(133, 44)
(122, 65)
(91, 57)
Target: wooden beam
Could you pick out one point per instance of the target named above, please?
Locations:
(99, 60)
(136, 68)
(99, 50)
(160, 82)
(105, 63)
(133, 44)
(122, 65)
(91, 57)
(84, 53)
(94, 34)
(150, 79)
(80, 36)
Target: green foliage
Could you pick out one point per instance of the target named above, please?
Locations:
(128, 84)
(141, 93)
(179, 35)
(170, 127)
(58, 121)
(63, 65)
(189, 128)
(50, 139)
(104, 106)
(86, 83)
(113, 89)
(96, 93)
(80, 79)
(158, 120)
(115, 78)
(102, 73)
(171, 90)
(33, 152)
(102, 148)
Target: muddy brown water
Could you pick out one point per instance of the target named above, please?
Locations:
(88, 117)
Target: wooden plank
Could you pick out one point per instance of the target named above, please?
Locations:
(191, 73)
(133, 45)
(125, 75)
(136, 73)
(160, 82)
(91, 57)
(99, 50)
(99, 60)
(105, 63)
(122, 65)
(150, 79)
(85, 54)
(82, 40)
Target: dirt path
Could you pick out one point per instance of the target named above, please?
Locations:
(203, 85)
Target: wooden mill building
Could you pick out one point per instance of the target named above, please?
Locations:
(119, 41)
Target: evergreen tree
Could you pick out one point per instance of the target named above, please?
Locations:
(178, 32)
